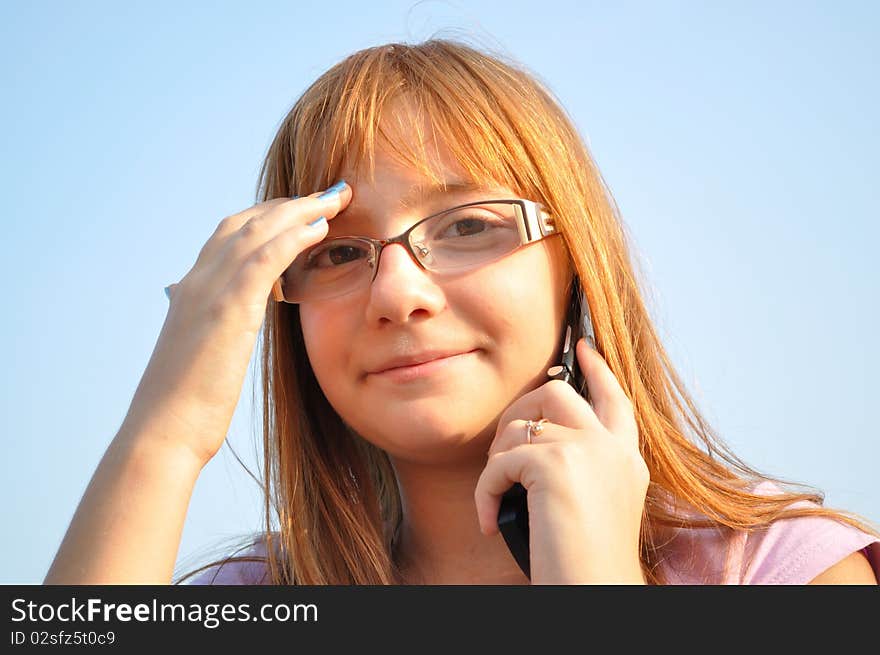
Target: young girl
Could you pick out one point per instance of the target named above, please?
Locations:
(416, 301)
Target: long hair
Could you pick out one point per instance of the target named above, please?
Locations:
(332, 504)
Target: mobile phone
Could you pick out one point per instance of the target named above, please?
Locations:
(513, 515)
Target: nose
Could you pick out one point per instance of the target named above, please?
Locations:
(402, 290)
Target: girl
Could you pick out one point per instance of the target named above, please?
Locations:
(415, 306)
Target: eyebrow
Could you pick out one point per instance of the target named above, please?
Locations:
(420, 193)
(416, 195)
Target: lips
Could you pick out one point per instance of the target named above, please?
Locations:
(414, 359)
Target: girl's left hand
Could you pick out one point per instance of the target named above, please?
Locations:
(585, 477)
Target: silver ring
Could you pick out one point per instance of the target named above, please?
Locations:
(534, 429)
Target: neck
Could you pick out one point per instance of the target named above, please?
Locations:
(440, 542)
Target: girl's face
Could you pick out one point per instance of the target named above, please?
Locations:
(503, 320)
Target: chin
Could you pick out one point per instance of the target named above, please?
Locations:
(417, 433)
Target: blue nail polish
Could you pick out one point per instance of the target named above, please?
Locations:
(333, 190)
(317, 221)
(168, 292)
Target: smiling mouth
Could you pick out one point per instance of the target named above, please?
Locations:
(422, 370)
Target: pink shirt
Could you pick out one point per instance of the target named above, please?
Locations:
(789, 552)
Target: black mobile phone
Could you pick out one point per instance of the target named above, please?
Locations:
(513, 515)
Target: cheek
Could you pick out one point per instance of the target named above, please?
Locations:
(525, 300)
(323, 333)
(519, 306)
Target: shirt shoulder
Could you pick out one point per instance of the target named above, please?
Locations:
(244, 567)
(796, 550)
(789, 551)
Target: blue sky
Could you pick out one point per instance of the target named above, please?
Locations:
(739, 140)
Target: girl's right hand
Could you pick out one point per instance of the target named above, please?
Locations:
(192, 383)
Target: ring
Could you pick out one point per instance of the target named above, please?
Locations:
(534, 428)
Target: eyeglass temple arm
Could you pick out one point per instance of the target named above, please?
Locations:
(277, 293)
(535, 223)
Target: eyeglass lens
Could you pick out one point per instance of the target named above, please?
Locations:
(459, 239)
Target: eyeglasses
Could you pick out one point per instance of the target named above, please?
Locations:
(455, 240)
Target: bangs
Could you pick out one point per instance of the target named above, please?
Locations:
(412, 105)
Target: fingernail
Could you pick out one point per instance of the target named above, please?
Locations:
(318, 221)
(168, 292)
(333, 190)
(294, 197)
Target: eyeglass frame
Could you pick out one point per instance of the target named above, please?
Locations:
(533, 223)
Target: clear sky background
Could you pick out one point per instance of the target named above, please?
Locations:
(739, 139)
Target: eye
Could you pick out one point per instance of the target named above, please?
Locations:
(465, 227)
(456, 226)
(334, 254)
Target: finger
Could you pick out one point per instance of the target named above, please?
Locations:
(513, 434)
(557, 401)
(501, 472)
(262, 227)
(327, 198)
(260, 269)
(610, 404)
(266, 219)
(326, 204)
(231, 224)
(516, 433)
(254, 246)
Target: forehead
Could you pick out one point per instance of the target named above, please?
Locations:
(406, 172)
(415, 147)
(392, 195)
(393, 213)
